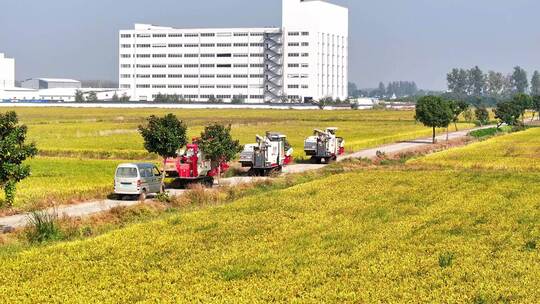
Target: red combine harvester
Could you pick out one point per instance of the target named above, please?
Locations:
(192, 166)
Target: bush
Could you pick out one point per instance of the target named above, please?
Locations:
(446, 259)
(43, 227)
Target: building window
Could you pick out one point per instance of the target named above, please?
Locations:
(294, 33)
(224, 76)
(241, 44)
(208, 35)
(143, 86)
(175, 35)
(256, 97)
(305, 86)
(175, 76)
(240, 86)
(256, 44)
(159, 65)
(174, 86)
(175, 66)
(159, 35)
(293, 86)
(191, 35)
(143, 66)
(126, 66)
(256, 55)
(208, 86)
(159, 86)
(240, 65)
(240, 55)
(305, 65)
(208, 55)
(191, 65)
(224, 45)
(240, 34)
(191, 45)
(159, 55)
(191, 76)
(240, 76)
(224, 55)
(223, 86)
(294, 44)
(175, 55)
(125, 76)
(305, 43)
(208, 65)
(191, 96)
(257, 65)
(223, 65)
(143, 45)
(208, 76)
(208, 44)
(159, 76)
(144, 35)
(125, 86)
(257, 34)
(143, 75)
(125, 55)
(256, 76)
(305, 33)
(294, 55)
(175, 45)
(191, 86)
(305, 54)
(293, 65)
(159, 45)
(191, 55)
(126, 46)
(125, 36)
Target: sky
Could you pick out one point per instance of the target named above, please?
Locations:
(390, 40)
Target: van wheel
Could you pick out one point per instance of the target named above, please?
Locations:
(142, 196)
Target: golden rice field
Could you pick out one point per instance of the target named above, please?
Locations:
(81, 147)
(372, 236)
(517, 151)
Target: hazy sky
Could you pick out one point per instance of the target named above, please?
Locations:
(390, 39)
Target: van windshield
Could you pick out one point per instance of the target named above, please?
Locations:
(126, 172)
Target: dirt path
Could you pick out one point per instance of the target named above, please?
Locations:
(93, 207)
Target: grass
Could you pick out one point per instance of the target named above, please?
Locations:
(81, 147)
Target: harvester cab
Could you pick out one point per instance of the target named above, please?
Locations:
(192, 165)
(269, 154)
(324, 146)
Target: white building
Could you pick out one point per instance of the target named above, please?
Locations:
(305, 59)
(51, 83)
(7, 72)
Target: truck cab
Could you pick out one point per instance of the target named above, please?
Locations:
(270, 153)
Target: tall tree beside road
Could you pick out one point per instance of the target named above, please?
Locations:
(458, 107)
(535, 84)
(434, 112)
(164, 136)
(13, 152)
(520, 82)
(476, 81)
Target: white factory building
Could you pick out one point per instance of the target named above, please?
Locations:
(7, 72)
(305, 59)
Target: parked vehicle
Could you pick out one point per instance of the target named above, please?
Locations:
(269, 154)
(137, 179)
(192, 166)
(324, 146)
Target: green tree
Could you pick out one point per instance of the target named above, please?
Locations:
(237, 100)
(164, 136)
(457, 82)
(352, 89)
(536, 105)
(115, 98)
(477, 81)
(79, 96)
(92, 97)
(13, 153)
(217, 143)
(482, 115)
(507, 112)
(125, 98)
(520, 81)
(523, 102)
(458, 107)
(535, 84)
(495, 84)
(382, 90)
(435, 112)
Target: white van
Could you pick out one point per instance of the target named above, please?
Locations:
(138, 179)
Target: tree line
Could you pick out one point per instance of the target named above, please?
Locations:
(476, 87)
(398, 89)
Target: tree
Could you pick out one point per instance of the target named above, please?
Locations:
(520, 82)
(13, 153)
(382, 90)
(457, 82)
(536, 104)
(507, 112)
(79, 96)
(92, 97)
(523, 102)
(352, 89)
(468, 115)
(495, 84)
(324, 102)
(218, 145)
(458, 107)
(535, 84)
(477, 81)
(125, 98)
(164, 136)
(433, 111)
(482, 115)
(115, 97)
(237, 100)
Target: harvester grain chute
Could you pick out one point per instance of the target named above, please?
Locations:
(268, 155)
(324, 146)
(192, 166)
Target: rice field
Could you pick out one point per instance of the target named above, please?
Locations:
(79, 148)
(372, 236)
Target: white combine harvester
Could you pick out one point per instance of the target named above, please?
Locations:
(268, 155)
(324, 146)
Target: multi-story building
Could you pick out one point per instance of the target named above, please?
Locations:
(7, 72)
(306, 59)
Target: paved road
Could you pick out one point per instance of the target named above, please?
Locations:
(93, 207)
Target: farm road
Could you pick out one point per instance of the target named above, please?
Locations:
(94, 207)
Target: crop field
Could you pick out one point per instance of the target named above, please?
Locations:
(379, 235)
(518, 151)
(81, 147)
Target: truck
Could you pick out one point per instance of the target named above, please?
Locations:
(192, 166)
(268, 155)
(324, 146)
